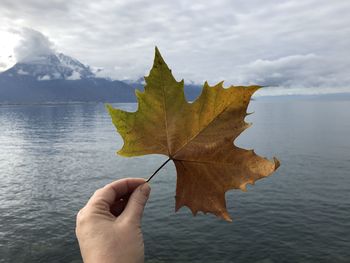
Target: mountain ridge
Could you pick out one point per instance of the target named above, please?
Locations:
(51, 66)
(60, 78)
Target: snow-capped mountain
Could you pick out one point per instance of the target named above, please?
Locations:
(56, 77)
(50, 67)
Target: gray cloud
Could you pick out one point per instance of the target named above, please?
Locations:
(32, 44)
(292, 44)
(289, 71)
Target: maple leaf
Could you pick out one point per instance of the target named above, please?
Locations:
(197, 136)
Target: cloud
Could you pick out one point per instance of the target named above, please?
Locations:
(32, 44)
(298, 73)
(285, 71)
(22, 72)
(43, 78)
(292, 44)
(75, 75)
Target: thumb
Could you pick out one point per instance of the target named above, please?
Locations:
(136, 204)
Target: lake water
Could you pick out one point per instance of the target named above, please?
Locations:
(53, 157)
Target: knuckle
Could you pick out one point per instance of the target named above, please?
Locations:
(79, 214)
(99, 203)
(81, 218)
(97, 192)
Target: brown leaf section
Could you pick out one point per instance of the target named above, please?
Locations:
(197, 136)
(197, 189)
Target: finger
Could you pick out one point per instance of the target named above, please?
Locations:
(137, 201)
(114, 191)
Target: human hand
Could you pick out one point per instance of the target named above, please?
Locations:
(109, 226)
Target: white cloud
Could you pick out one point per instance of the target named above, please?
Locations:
(293, 44)
(56, 75)
(45, 77)
(22, 72)
(75, 75)
(7, 42)
(298, 72)
(32, 44)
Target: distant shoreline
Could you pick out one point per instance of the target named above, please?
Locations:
(321, 97)
(329, 96)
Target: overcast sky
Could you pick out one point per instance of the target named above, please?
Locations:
(299, 46)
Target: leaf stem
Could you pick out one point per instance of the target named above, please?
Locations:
(156, 171)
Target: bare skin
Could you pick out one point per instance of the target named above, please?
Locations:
(109, 225)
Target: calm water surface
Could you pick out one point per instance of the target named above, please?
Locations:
(53, 157)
